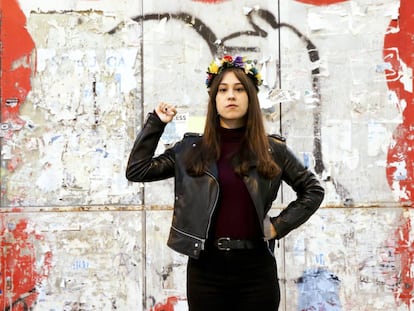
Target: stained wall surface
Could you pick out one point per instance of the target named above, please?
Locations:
(78, 78)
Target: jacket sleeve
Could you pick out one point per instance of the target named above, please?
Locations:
(142, 165)
(309, 195)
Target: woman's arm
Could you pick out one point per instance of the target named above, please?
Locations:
(142, 165)
(309, 194)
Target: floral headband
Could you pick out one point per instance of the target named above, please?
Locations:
(218, 65)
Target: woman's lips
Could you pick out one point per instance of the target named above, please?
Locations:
(231, 106)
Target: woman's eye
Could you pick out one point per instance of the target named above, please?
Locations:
(222, 90)
(240, 89)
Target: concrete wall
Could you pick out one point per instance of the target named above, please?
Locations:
(77, 80)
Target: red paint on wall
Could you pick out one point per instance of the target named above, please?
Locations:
(405, 254)
(398, 51)
(21, 270)
(17, 63)
(169, 305)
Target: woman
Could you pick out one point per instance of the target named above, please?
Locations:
(225, 183)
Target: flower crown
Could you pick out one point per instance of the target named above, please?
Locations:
(218, 65)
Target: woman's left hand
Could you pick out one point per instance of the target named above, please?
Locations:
(269, 229)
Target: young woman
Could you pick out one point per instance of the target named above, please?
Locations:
(225, 183)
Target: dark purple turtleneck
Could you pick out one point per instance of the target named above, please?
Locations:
(236, 216)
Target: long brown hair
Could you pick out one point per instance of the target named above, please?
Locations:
(255, 145)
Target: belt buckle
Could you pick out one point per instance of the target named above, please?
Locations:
(221, 244)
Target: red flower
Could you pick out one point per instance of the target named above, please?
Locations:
(227, 58)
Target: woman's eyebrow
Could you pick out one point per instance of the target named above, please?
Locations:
(237, 83)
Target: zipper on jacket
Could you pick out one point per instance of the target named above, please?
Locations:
(214, 205)
(202, 241)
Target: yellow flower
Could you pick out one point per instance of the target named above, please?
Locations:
(213, 68)
(259, 78)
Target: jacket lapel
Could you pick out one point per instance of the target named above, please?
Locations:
(213, 170)
(255, 184)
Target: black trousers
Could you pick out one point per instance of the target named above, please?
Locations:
(239, 280)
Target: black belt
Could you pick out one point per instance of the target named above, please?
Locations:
(227, 244)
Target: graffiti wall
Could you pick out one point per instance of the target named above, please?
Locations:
(78, 78)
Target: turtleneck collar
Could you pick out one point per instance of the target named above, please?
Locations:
(232, 135)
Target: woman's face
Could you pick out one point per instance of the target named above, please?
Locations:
(232, 101)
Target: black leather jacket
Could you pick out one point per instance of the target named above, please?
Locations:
(196, 197)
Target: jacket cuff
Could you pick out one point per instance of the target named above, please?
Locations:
(280, 227)
(154, 119)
